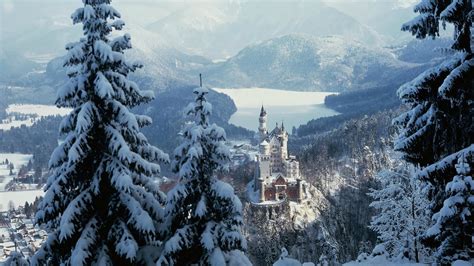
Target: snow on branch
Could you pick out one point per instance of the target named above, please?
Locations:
(454, 11)
(70, 216)
(84, 248)
(446, 163)
(125, 245)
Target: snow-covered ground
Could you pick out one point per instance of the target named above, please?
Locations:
(382, 260)
(18, 198)
(37, 109)
(17, 159)
(292, 107)
(28, 236)
(31, 113)
(241, 151)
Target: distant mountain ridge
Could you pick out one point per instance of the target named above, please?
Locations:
(310, 60)
(222, 30)
(290, 62)
(307, 63)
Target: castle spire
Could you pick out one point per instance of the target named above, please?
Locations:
(262, 128)
(263, 112)
(282, 126)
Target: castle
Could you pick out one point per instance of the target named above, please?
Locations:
(277, 176)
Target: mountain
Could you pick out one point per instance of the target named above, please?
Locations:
(385, 17)
(15, 66)
(422, 51)
(219, 30)
(165, 67)
(303, 62)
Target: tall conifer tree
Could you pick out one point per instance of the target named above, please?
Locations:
(402, 218)
(439, 127)
(204, 216)
(101, 204)
(454, 222)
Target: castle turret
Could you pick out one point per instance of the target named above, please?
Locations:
(264, 148)
(284, 143)
(262, 128)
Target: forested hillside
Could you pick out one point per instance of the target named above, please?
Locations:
(167, 112)
(342, 158)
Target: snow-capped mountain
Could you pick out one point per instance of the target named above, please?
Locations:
(164, 65)
(303, 62)
(32, 55)
(220, 30)
(422, 51)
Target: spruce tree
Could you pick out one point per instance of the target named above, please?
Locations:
(454, 222)
(438, 127)
(204, 216)
(402, 217)
(101, 204)
(16, 259)
(441, 99)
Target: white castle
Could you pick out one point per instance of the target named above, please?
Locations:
(277, 176)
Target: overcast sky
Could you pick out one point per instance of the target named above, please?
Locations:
(21, 17)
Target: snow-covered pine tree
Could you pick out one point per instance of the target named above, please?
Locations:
(204, 216)
(101, 203)
(439, 127)
(402, 216)
(454, 222)
(16, 259)
(441, 99)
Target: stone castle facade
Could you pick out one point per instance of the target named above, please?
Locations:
(277, 176)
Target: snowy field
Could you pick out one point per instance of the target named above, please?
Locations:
(17, 159)
(292, 107)
(18, 197)
(383, 261)
(32, 112)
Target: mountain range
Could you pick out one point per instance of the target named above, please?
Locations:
(304, 62)
(219, 31)
(295, 45)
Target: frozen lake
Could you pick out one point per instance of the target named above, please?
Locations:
(294, 108)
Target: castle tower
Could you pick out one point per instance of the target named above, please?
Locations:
(300, 189)
(262, 127)
(264, 166)
(284, 143)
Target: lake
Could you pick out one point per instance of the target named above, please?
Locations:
(294, 108)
